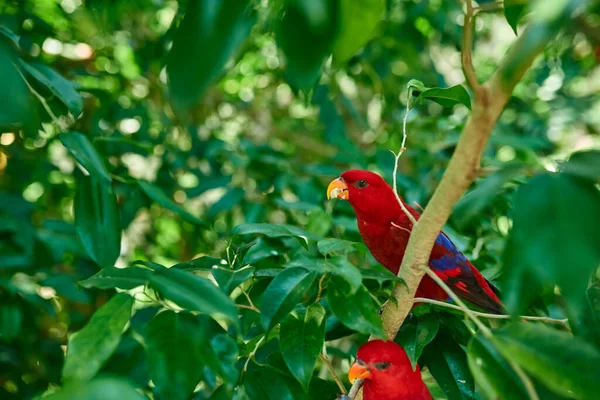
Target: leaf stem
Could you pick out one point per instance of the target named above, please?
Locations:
(466, 54)
(253, 353)
(337, 380)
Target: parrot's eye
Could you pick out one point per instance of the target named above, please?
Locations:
(361, 184)
(382, 366)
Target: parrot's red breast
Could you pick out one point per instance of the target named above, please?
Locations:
(387, 373)
(385, 229)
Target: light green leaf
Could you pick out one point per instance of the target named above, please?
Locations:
(89, 348)
(122, 278)
(98, 389)
(283, 294)
(358, 21)
(157, 195)
(85, 153)
(97, 221)
(301, 341)
(269, 230)
(333, 245)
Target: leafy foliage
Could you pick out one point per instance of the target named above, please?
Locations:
(163, 167)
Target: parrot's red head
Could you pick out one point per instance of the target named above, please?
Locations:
(387, 372)
(371, 197)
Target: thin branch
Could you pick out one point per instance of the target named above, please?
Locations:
(397, 160)
(253, 353)
(320, 288)
(251, 304)
(467, 44)
(548, 320)
(248, 307)
(337, 380)
(531, 392)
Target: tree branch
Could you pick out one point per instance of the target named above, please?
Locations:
(337, 380)
(467, 45)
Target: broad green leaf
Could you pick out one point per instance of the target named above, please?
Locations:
(358, 21)
(89, 348)
(204, 263)
(10, 322)
(176, 353)
(97, 221)
(514, 10)
(98, 389)
(474, 202)
(193, 293)
(555, 240)
(208, 36)
(306, 34)
(64, 89)
(448, 97)
(344, 268)
(565, 364)
(283, 294)
(447, 362)
(18, 107)
(417, 335)
(332, 245)
(267, 384)
(379, 274)
(157, 195)
(85, 153)
(357, 311)
(491, 371)
(301, 341)
(13, 37)
(269, 230)
(229, 279)
(584, 164)
(122, 278)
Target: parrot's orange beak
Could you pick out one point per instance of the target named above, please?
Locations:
(338, 189)
(358, 371)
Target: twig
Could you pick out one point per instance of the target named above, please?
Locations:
(320, 288)
(337, 380)
(526, 381)
(253, 353)
(397, 160)
(467, 44)
(248, 307)
(549, 320)
(251, 304)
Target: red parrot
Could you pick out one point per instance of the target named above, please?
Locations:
(385, 229)
(387, 373)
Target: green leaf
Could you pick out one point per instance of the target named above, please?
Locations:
(447, 362)
(157, 195)
(204, 263)
(229, 279)
(10, 322)
(283, 294)
(193, 293)
(176, 353)
(267, 384)
(332, 245)
(64, 89)
(379, 274)
(417, 335)
(85, 153)
(208, 36)
(565, 364)
(448, 97)
(97, 221)
(514, 10)
(306, 34)
(18, 107)
(122, 278)
(491, 371)
(229, 200)
(584, 164)
(269, 230)
(301, 341)
(344, 268)
(89, 348)
(555, 240)
(357, 311)
(98, 389)
(358, 21)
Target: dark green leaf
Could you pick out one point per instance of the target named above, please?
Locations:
(229, 279)
(10, 322)
(122, 278)
(98, 389)
(306, 34)
(269, 230)
(358, 21)
(448, 97)
(283, 294)
(584, 164)
(157, 195)
(491, 371)
(97, 221)
(301, 341)
(344, 268)
(357, 311)
(555, 240)
(204, 263)
(89, 348)
(565, 364)
(193, 293)
(209, 35)
(379, 274)
(229, 200)
(447, 362)
(85, 153)
(418, 335)
(63, 89)
(267, 384)
(514, 10)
